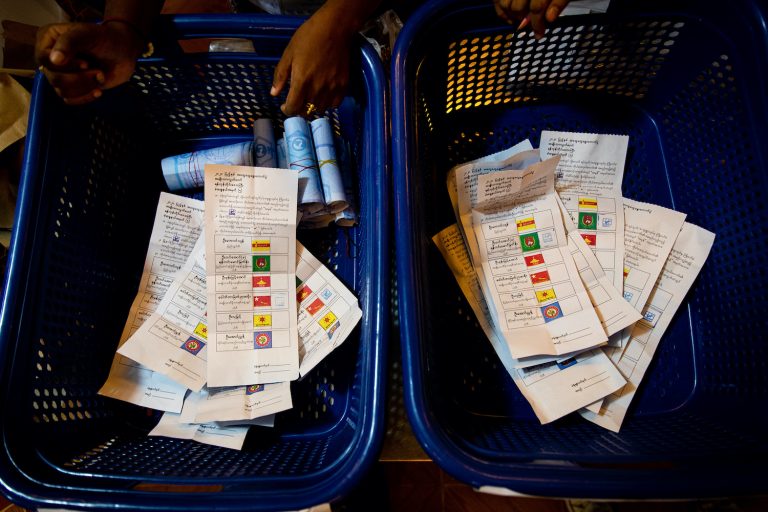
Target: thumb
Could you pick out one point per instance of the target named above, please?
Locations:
(71, 42)
(282, 71)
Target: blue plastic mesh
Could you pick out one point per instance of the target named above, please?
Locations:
(101, 183)
(683, 93)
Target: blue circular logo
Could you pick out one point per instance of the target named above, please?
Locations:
(299, 144)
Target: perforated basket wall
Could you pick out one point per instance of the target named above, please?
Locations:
(92, 181)
(687, 84)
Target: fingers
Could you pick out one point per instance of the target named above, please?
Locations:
(75, 86)
(85, 98)
(78, 38)
(282, 71)
(500, 11)
(58, 44)
(537, 13)
(555, 8)
(538, 10)
(295, 103)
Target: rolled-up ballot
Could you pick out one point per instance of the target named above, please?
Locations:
(187, 171)
(317, 220)
(282, 158)
(330, 177)
(301, 157)
(264, 143)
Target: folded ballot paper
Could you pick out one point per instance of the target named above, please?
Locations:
(519, 242)
(178, 224)
(553, 260)
(206, 308)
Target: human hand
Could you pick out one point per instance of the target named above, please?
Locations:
(82, 59)
(317, 62)
(539, 12)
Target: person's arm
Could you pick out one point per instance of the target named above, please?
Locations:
(539, 12)
(82, 59)
(318, 55)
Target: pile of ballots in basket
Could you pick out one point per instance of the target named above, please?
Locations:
(573, 284)
(231, 307)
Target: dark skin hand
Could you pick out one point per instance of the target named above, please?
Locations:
(82, 59)
(317, 63)
(539, 12)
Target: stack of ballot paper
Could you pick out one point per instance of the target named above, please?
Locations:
(321, 158)
(230, 309)
(572, 283)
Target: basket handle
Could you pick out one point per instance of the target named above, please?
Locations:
(266, 30)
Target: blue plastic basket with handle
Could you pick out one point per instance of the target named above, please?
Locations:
(86, 203)
(687, 83)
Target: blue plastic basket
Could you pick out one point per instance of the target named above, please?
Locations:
(687, 83)
(86, 204)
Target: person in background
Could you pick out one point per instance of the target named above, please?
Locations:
(81, 60)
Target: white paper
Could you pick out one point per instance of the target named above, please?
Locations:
(649, 233)
(579, 7)
(451, 245)
(170, 425)
(614, 312)
(237, 404)
(680, 270)
(553, 389)
(327, 310)
(250, 216)
(558, 388)
(173, 341)
(186, 171)
(473, 169)
(192, 401)
(462, 181)
(178, 223)
(530, 276)
(588, 181)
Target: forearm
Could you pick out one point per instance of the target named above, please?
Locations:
(348, 16)
(140, 13)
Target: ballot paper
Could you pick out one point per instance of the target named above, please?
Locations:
(170, 425)
(506, 159)
(237, 403)
(561, 387)
(185, 171)
(451, 245)
(686, 259)
(264, 143)
(330, 175)
(588, 181)
(462, 180)
(301, 156)
(614, 312)
(327, 310)
(178, 223)
(250, 242)
(649, 233)
(173, 340)
(553, 389)
(192, 401)
(531, 278)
